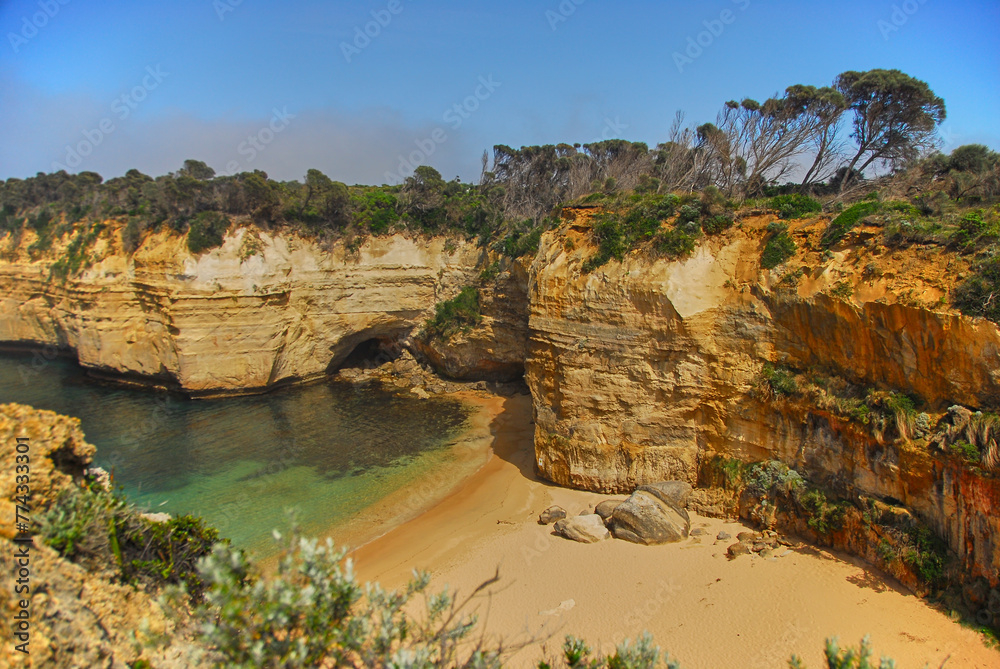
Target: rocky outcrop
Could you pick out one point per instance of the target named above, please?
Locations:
(77, 617)
(640, 371)
(236, 319)
(495, 349)
(54, 454)
(643, 369)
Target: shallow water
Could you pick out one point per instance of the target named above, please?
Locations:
(329, 450)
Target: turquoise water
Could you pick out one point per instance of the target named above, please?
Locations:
(328, 450)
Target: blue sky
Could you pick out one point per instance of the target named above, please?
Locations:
(148, 84)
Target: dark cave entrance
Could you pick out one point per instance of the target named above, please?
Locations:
(368, 354)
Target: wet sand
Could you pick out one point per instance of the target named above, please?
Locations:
(707, 611)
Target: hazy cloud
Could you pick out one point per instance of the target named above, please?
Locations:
(40, 132)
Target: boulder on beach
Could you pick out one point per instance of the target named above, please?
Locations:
(645, 518)
(607, 507)
(587, 529)
(551, 515)
(675, 493)
(737, 549)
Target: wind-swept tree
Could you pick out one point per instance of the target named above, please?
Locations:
(826, 106)
(752, 144)
(895, 117)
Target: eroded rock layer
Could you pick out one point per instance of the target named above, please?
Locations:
(230, 320)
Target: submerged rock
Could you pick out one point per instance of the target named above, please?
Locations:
(587, 529)
(644, 518)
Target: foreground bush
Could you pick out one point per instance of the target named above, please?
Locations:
(97, 528)
(313, 613)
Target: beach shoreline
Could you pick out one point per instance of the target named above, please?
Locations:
(706, 610)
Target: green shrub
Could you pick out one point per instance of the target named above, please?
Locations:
(40, 221)
(490, 272)
(841, 225)
(716, 224)
(689, 213)
(674, 243)
(926, 554)
(378, 211)
(973, 227)
(779, 380)
(794, 206)
(206, 231)
(607, 229)
(459, 313)
(131, 235)
(842, 289)
(772, 479)
(76, 257)
(96, 526)
(979, 294)
(9, 221)
(779, 248)
(523, 238)
(824, 516)
(966, 451)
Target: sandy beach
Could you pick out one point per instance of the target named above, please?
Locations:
(705, 610)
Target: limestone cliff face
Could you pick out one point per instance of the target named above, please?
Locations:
(496, 348)
(641, 369)
(259, 311)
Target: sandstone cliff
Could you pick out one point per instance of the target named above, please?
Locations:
(640, 370)
(259, 311)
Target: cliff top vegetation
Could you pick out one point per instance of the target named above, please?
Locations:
(837, 138)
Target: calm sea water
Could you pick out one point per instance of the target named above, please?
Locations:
(328, 450)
